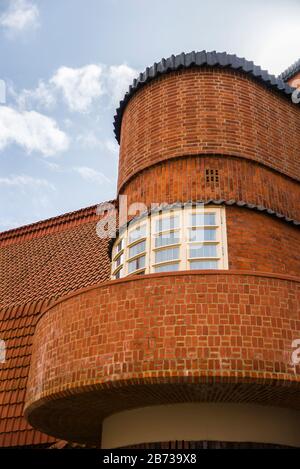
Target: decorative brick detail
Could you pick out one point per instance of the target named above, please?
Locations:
(145, 340)
(209, 111)
(183, 179)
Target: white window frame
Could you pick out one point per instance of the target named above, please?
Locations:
(184, 261)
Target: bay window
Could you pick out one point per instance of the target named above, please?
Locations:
(182, 238)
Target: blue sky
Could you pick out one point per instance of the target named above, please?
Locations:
(67, 63)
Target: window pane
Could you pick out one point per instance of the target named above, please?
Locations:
(168, 223)
(137, 249)
(120, 246)
(204, 264)
(199, 219)
(203, 251)
(119, 261)
(118, 274)
(167, 255)
(137, 233)
(167, 268)
(167, 238)
(136, 264)
(201, 234)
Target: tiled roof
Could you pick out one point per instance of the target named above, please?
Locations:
(198, 59)
(38, 264)
(290, 71)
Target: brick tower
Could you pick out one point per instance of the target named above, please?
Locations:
(193, 339)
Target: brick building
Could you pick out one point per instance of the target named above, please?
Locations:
(182, 331)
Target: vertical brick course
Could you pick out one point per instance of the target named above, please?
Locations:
(183, 179)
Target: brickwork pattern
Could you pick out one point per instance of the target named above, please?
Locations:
(39, 263)
(184, 179)
(209, 111)
(185, 327)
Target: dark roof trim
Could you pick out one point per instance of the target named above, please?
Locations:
(197, 59)
(290, 71)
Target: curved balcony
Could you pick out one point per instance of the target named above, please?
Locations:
(197, 337)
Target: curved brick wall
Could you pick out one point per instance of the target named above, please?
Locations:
(145, 340)
(205, 111)
(258, 242)
(184, 179)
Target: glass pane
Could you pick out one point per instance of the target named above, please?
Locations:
(203, 251)
(136, 264)
(199, 219)
(119, 246)
(137, 249)
(137, 233)
(167, 238)
(167, 268)
(168, 223)
(118, 274)
(201, 234)
(204, 264)
(167, 255)
(119, 261)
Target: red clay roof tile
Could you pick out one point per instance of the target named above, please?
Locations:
(38, 264)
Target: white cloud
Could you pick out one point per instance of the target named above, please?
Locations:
(79, 86)
(24, 180)
(53, 166)
(112, 146)
(90, 174)
(42, 96)
(119, 77)
(32, 131)
(91, 140)
(20, 16)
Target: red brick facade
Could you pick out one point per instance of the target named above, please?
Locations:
(238, 180)
(209, 111)
(212, 134)
(133, 334)
(261, 244)
(191, 135)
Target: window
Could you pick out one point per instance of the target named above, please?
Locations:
(166, 239)
(205, 250)
(167, 267)
(204, 265)
(137, 249)
(167, 223)
(183, 238)
(202, 219)
(136, 264)
(164, 255)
